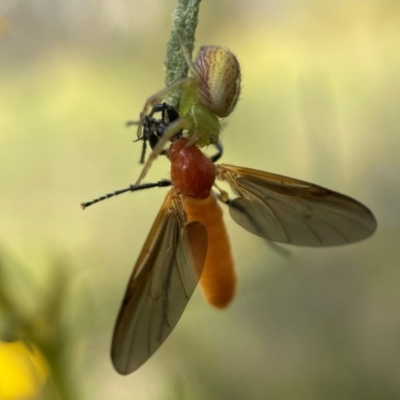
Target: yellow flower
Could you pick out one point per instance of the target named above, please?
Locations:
(23, 371)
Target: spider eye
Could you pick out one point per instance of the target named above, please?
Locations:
(219, 85)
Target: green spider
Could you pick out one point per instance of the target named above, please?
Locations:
(208, 94)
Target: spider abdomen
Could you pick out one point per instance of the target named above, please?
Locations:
(219, 85)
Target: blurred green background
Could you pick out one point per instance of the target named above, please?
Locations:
(320, 102)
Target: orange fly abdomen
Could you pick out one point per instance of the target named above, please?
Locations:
(192, 176)
(218, 279)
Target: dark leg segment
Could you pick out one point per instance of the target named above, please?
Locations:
(218, 155)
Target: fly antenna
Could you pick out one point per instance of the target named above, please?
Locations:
(131, 188)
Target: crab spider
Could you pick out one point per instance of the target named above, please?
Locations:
(208, 94)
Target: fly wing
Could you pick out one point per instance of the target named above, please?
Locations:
(162, 282)
(291, 211)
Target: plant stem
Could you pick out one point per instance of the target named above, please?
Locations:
(185, 20)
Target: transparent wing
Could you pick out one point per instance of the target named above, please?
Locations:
(288, 210)
(162, 282)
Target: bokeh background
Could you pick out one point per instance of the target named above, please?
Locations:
(320, 102)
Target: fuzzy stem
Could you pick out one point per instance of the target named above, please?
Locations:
(185, 19)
